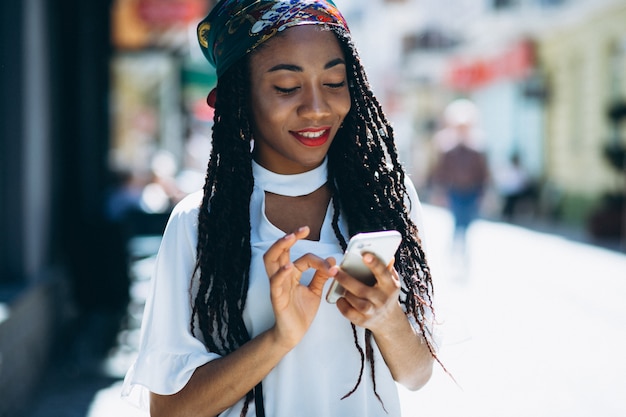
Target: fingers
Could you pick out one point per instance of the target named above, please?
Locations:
(369, 306)
(309, 260)
(284, 244)
(278, 254)
(323, 270)
(280, 281)
(284, 273)
(363, 297)
(385, 275)
(355, 308)
(380, 270)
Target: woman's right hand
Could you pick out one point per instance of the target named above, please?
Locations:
(295, 305)
(218, 384)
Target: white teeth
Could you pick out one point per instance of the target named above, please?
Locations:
(312, 134)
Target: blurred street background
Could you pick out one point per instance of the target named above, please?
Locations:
(105, 127)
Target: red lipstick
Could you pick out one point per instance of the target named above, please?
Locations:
(312, 137)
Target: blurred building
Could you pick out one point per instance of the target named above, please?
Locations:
(584, 59)
(55, 258)
(68, 70)
(424, 54)
(160, 80)
(547, 76)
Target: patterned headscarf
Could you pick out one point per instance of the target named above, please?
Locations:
(233, 28)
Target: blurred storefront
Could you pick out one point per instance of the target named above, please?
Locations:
(548, 79)
(90, 89)
(159, 116)
(585, 62)
(485, 53)
(56, 264)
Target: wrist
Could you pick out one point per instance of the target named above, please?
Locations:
(280, 344)
(396, 322)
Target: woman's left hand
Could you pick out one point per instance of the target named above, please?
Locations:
(378, 309)
(371, 307)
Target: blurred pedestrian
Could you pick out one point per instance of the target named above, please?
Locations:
(514, 185)
(124, 195)
(302, 158)
(461, 173)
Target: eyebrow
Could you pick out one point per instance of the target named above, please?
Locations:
(295, 68)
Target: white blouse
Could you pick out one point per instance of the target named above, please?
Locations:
(311, 379)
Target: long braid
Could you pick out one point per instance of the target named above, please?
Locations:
(369, 354)
(223, 250)
(362, 353)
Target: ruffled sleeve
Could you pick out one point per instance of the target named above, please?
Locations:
(168, 352)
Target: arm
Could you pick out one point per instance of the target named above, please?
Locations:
(405, 351)
(219, 384)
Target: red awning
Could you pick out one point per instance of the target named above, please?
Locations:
(515, 62)
(169, 12)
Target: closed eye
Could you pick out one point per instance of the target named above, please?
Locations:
(336, 85)
(282, 90)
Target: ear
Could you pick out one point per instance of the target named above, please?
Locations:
(211, 98)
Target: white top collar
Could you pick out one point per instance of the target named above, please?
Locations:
(293, 185)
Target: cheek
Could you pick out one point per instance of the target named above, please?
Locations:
(261, 111)
(269, 115)
(269, 118)
(344, 106)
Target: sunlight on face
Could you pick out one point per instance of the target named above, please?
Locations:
(299, 98)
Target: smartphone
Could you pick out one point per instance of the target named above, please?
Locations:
(383, 244)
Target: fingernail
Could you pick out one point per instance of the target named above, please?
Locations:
(368, 257)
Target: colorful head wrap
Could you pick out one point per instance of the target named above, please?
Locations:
(233, 28)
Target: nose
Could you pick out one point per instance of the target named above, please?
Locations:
(314, 104)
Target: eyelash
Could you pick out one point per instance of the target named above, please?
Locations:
(285, 90)
(337, 85)
(291, 90)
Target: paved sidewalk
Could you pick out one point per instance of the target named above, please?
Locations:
(534, 325)
(86, 376)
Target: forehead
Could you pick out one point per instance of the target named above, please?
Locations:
(305, 43)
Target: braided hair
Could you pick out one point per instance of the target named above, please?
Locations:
(367, 182)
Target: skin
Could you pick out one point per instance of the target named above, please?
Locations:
(298, 90)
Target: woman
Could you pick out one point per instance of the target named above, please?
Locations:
(235, 324)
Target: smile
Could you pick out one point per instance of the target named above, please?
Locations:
(312, 137)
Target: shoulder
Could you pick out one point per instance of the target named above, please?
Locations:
(181, 232)
(185, 214)
(188, 205)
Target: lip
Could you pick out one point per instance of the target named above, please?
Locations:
(312, 137)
